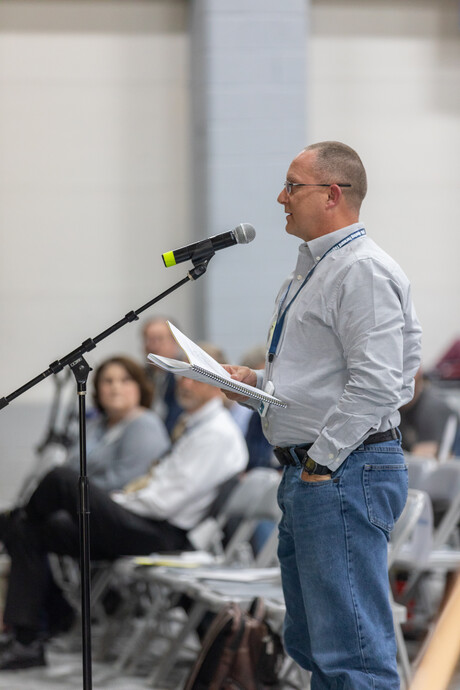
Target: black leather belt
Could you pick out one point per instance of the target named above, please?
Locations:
(285, 455)
(381, 437)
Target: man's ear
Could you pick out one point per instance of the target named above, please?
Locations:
(334, 195)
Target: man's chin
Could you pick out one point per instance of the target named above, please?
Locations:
(290, 230)
(289, 224)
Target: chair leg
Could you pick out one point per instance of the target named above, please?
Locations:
(403, 656)
(160, 603)
(163, 669)
(293, 676)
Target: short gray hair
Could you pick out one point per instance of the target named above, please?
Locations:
(337, 162)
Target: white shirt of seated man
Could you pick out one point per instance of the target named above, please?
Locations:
(184, 483)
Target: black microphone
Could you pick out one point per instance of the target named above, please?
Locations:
(242, 234)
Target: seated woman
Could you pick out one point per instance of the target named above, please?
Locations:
(126, 436)
(122, 441)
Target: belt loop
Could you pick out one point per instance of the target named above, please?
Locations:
(293, 454)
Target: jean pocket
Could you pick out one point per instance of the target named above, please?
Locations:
(385, 488)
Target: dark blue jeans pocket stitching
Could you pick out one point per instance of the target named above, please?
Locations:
(385, 490)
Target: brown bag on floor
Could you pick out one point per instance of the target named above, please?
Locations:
(239, 652)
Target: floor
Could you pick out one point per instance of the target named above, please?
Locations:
(64, 672)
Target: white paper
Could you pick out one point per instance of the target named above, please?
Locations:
(210, 371)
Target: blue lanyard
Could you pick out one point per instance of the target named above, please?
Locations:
(281, 316)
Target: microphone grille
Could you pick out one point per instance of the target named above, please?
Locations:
(244, 233)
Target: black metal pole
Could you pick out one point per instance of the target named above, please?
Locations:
(81, 369)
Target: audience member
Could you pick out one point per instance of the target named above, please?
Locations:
(248, 419)
(157, 338)
(259, 448)
(126, 436)
(424, 420)
(123, 436)
(447, 368)
(153, 514)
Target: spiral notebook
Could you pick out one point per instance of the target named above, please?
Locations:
(202, 367)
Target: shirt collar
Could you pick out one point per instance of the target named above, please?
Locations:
(321, 245)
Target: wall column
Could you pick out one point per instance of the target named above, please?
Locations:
(248, 92)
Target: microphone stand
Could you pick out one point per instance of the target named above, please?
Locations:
(80, 369)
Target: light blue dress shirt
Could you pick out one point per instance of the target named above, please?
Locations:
(348, 351)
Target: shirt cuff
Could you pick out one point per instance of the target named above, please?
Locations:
(324, 452)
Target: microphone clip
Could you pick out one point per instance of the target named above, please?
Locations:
(203, 252)
(198, 271)
(200, 259)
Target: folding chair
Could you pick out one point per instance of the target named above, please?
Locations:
(211, 588)
(419, 469)
(252, 500)
(401, 539)
(446, 444)
(442, 484)
(214, 588)
(403, 536)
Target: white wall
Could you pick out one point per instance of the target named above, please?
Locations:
(384, 77)
(93, 187)
(94, 155)
(93, 173)
(242, 85)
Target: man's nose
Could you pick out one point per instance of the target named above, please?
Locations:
(283, 196)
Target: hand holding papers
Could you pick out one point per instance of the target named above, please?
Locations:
(202, 367)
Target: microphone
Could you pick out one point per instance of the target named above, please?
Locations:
(242, 234)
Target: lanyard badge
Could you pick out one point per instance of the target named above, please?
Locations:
(263, 407)
(277, 327)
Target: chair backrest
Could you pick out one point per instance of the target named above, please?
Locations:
(443, 488)
(443, 482)
(248, 498)
(251, 500)
(449, 434)
(419, 468)
(412, 537)
(254, 500)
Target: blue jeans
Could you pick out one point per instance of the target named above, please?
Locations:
(333, 555)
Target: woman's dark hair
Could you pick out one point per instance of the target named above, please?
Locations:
(135, 372)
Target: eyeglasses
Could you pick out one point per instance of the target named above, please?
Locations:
(290, 185)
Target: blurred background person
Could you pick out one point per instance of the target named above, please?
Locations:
(123, 435)
(427, 421)
(123, 438)
(126, 435)
(157, 338)
(259, 449)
